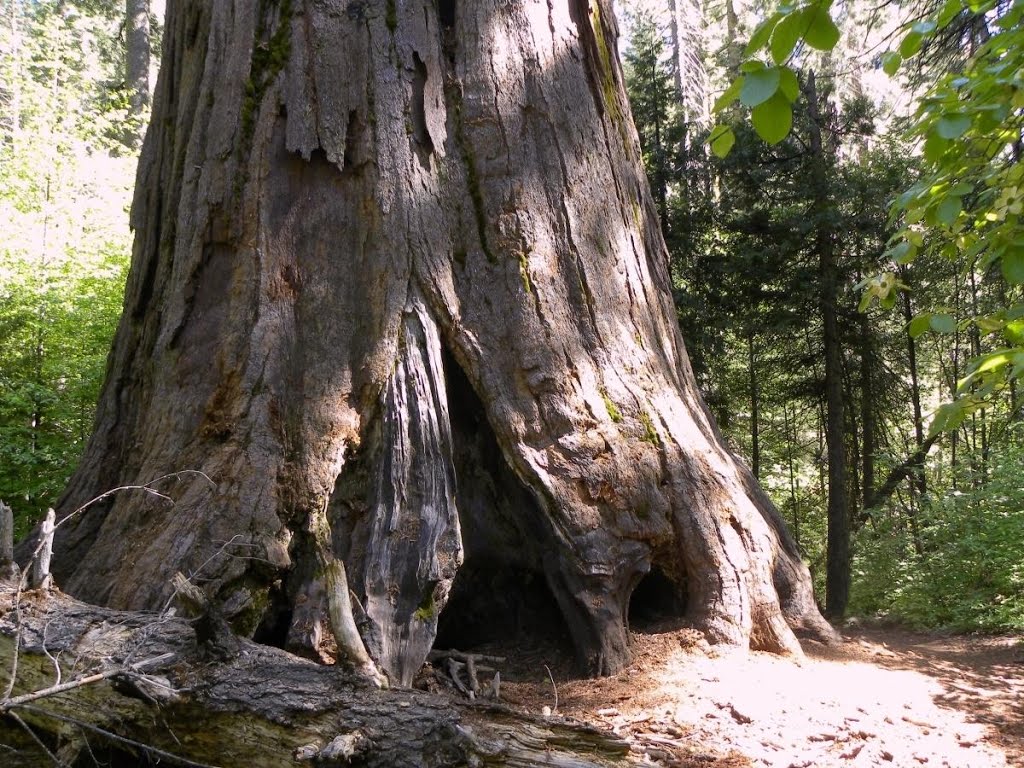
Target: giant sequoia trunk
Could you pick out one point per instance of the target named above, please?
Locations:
(398, 275)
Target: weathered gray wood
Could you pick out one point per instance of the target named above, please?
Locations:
(8, 567)
(263, 707)
(39, 570)
(334, 196)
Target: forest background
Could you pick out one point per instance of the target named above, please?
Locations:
(842, 214)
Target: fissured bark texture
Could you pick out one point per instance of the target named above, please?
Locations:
(357, 221)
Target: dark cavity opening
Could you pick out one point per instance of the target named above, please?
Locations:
(273, 628)
(496, 603)
(446, 13)
(500, 595)
(655, 600)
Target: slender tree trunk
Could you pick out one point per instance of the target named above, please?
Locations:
(919, 480)
(755, 410)
(137, 55)
(15, 75)
(837, 584)
(868, 403)
(686, 27)
(398, 267)
(791, 440)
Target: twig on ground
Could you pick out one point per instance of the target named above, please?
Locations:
(553, 687)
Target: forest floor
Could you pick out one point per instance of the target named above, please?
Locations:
(884, 697)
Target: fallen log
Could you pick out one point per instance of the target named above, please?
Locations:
(138, 687)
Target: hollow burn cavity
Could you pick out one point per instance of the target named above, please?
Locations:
(277, 619)
(656, 599)
(500, 593)
(446, 12)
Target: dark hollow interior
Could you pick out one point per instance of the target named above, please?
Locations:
(655, 599)
(500, 593)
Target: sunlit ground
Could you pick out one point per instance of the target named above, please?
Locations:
(880, 699)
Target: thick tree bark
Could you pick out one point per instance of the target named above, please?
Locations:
(397, 266)
(144, 679)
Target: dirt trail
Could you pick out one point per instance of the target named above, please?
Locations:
(882, 698)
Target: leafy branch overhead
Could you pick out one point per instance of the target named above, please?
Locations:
(768, 86)
(967, 203)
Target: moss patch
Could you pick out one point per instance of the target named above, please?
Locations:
(427, 610)
(613, 410)
(271, 49)
(391, 17)
(454, 94)
(650, 434)
(524, 270)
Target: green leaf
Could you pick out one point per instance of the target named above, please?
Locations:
(891, 62)
(902, 253)
(773, 119)
(948, 210)
(752, 65)
(911, 44)
(821, 32)
(935, 147)
(947, 418)
(953, 126)
(949, 12)
(788, 83)
(785, 36)
(758, 87)
(729, 95)
(761, 34)
(1013, 266)
(1014, 332)
(919, 325)
(942, 323)
(722, 140)
(993, 361)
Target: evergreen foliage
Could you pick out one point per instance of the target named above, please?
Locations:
(65, 187)
(741, 226)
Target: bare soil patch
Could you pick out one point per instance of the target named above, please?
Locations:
(884, 697)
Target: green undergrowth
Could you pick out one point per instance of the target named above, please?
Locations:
(969, 574)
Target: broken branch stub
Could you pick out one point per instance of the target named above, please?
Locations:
(39, 573)
(8, 566)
